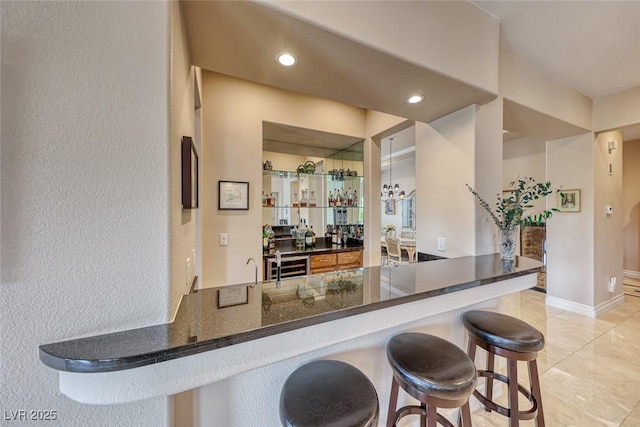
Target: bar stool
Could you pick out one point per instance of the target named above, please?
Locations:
(434, 371)
(328, 393)
(514, 340)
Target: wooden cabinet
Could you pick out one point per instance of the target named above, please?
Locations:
(532, 245)
(349, 260)
(322, 263)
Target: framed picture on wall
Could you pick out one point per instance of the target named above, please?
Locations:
(233, 195)
(189, 174)
(568, 200)
(390, 207)
(233, 295)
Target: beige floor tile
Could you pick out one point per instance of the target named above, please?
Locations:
(596, 326)
(633, 420)
(588, 368)
(565, 335)
(550, 356)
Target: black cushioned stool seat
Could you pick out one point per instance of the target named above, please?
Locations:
(514, 340)
(432, 370)
(328, 393)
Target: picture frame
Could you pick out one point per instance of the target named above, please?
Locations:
(189, 173)
(390, 207)
(568, 200)
(233, 195)
(233, 295)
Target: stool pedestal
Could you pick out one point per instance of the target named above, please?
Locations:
(515, 340)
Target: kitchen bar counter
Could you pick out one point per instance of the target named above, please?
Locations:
(221, 332)
(288, 247)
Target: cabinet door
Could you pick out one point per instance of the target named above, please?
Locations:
(350, 258)
(323, 262)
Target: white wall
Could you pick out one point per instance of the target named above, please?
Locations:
(85, 191)
(403, 174)
(487, 171)
(420, 32)
(617, 110)
(570, 235)
(445, 159)
(526, 157)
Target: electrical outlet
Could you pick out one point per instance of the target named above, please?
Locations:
(441, 245)
(224, 239)
(612, 284)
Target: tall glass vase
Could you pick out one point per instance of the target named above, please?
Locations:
(507, 241)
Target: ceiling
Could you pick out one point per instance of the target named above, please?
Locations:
(592, 46)
(329, 66)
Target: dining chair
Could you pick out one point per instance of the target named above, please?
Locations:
(394, 254)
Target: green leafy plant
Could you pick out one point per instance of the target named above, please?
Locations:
(511, 211)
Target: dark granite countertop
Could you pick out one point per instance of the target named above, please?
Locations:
(322, 245)
(218, 317)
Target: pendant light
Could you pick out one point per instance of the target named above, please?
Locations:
(389, 191)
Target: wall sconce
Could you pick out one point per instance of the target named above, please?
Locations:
(612, 145)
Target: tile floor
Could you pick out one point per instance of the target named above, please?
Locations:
(589, 369)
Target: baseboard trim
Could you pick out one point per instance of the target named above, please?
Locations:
(631, 274)
(583, 309)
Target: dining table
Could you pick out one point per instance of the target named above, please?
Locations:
(409, 245)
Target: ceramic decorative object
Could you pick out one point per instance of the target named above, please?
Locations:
(310, 167)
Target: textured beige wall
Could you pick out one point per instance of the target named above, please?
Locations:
(233, 111)
(85, 194)
(631, 206)
(182, 122)
(608, 241)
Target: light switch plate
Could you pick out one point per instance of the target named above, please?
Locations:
(224, 239)
(441, 245)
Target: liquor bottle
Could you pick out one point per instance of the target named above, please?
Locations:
(264, 199)
(295, 200)
(312, 200)
(334, 236)
(303, 199)
(355, 197)
(338, 202)
(350, 197)
(330, 199)
(339, 237)
(314, 236)
(308, 238)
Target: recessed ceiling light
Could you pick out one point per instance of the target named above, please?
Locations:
(287, 59)
(414, 99)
